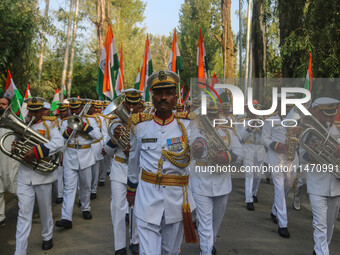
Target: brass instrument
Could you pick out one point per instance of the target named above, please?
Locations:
(75, 122)
(116, 107)
(27, 139)
(215, 141)
(317, 141)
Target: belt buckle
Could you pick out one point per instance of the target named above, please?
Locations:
(77, 146)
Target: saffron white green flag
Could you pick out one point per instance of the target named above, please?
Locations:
(108, 64)
(13, 93)
(137, 83)
(147, 70)
(120, 85)
(175, 60)
(24, 110)
(55, 102)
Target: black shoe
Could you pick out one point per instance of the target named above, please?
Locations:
(284, 232)
(79, 203)
(213, 252)
(121, 252)
(127, 219)
(274, 218)
(87, 215)
(46, 245)
(195, 224)
(2, 223)
(66, 224)
(108, 173)
(101, 184)
(255, 199)
(250, 206)
(314, 253)
(59, 200)
(134, 249)
(93, 196)
(268, 180)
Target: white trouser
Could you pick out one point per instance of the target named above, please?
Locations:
(118, 207)
(70, 188)
(301, 188)
(95, 175)
(2, 207)
(325, 212)
(106, 162)
(60, 181)
(26, 196)
(162, 239)
(282, 184)
(252, 179)
(209, 212)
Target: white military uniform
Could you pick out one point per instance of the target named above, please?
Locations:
(33, 184)
(119, 204)
(106, 162)
(283, 180)
(8, 173)
(78, 159)
(324, 196)
(97, 147)
(210, 192)
(254, 154)
(60, 170)
(158, 208)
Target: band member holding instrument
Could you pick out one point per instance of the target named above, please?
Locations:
(118, 177)
(33, 184)
(78, 159)
(323, 187)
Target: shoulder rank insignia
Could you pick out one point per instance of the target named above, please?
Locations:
(183, 115)
(53, 119)
(139, 117)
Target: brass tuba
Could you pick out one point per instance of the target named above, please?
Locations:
(116, 107)
(317, 141)
(27, 139)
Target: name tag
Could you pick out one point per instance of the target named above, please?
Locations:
(149, 140)
(175, 144)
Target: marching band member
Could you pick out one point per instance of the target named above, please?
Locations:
(78, 159)
(63, 114)
(323, 187)
(160, 151)
(118, 177)
(250, 136)
(274, 137)
(210, 190)
(33, 184)
(97, 146)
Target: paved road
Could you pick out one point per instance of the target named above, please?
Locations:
(242, 232)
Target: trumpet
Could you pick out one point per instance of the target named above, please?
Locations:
(27, 139)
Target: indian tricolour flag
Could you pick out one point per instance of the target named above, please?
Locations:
(201, 60)
(13, 93)
(147, 70)
(137, 82)
(55, 102)
(120, 85)
(309, 76)
(24, 110)
(108, 64)
(175, 61)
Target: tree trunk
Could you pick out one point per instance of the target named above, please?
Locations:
(246, 71)
(74, 34)
(63, 76)
(100, 25)
(259, 43)
(227, 40)
(43, 39)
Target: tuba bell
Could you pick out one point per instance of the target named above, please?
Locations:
(116, 107)
(27, 139)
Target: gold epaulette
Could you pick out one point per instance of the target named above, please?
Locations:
(267, 116)
(139, 117)
(53, 119)
(109, 117)
(183, 115)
